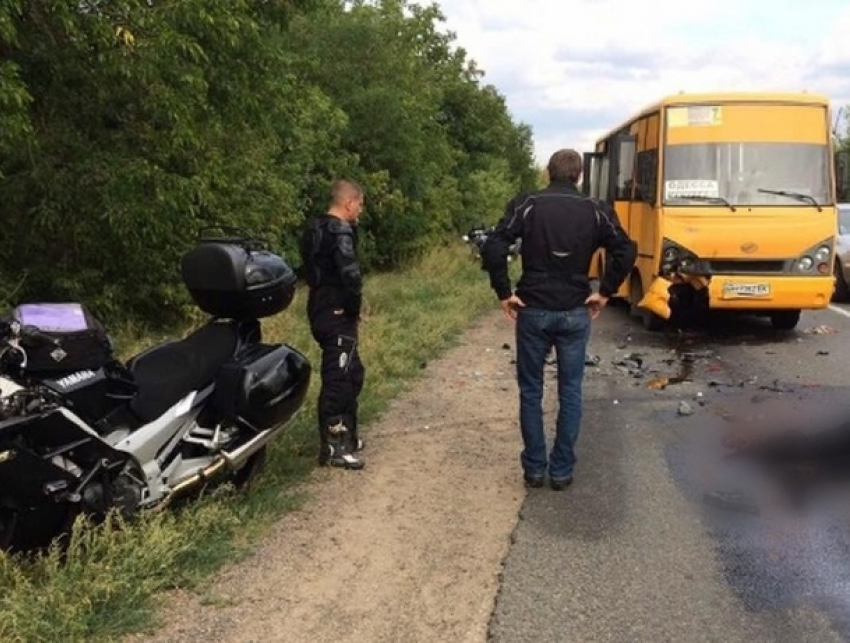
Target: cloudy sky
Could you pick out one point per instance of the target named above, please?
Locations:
(573, 69)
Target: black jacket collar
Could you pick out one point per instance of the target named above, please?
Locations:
(564, 185)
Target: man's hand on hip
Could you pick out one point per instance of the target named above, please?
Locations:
(510, 306)
(595, 304)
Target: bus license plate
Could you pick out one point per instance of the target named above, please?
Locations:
(732, 290)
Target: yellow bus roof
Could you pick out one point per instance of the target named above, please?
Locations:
(720, 97)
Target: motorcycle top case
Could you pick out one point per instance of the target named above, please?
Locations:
(264, 386)
(80, 341)
(230, 280)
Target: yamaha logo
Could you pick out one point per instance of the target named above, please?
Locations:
(75, 378)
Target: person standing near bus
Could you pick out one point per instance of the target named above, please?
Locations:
(554, 303)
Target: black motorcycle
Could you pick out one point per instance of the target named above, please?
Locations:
(81, 432)
(477, 237)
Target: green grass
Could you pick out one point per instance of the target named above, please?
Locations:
(107, 581)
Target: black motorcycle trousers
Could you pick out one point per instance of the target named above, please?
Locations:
(342, 375)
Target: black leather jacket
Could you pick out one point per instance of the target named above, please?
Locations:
(560, 230)
(330, 265)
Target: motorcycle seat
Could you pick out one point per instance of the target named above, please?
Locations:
(167, 372)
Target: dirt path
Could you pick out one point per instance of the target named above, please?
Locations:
(411, 548)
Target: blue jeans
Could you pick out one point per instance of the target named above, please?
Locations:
(536, 332)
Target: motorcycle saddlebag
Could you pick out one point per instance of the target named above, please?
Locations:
(264, 386)
(80, 340)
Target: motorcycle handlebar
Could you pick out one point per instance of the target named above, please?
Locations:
(29, 334)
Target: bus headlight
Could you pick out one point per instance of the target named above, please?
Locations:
(805, 264)
(822, 254)
(676, 258)
(670, 254)
(817, 260)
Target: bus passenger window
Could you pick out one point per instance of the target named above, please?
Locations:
(601, 185)
(625, 170)
(647, 176)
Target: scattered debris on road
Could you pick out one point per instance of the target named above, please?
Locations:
(731, 500)
(777, 387)
(822, 329)
(658, 383)
(685, 409)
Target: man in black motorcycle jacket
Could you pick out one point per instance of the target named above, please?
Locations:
(554, 303)
(332, 271)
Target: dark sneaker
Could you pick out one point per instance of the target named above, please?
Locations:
(558, 484)
(340, 459)
(535, 482)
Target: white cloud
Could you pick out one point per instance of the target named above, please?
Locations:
(572, 70)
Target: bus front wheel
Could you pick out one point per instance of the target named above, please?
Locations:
(785, 319)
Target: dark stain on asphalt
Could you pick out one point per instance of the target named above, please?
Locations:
(789, 555)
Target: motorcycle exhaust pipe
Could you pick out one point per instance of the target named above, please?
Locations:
(232, 460)
(205, 474)
(237, 458)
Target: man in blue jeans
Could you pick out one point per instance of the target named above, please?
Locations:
(554, 304)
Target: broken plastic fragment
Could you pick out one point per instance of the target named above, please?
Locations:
(685, 409)
(658, 383)
(777, 387)
(822, 329)
(591, 360)
(731, 500)
(657, 298)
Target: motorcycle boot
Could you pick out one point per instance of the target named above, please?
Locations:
(339, 449)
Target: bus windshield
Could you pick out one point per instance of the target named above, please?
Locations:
(747, 174)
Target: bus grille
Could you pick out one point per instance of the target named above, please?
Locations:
(744, 266)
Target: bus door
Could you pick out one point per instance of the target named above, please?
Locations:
(609, 176)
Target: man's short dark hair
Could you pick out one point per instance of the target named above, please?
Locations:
(565, 165)
(342, 189)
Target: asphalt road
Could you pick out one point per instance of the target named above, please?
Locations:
(630, 552)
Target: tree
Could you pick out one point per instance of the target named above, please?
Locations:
(127, 125)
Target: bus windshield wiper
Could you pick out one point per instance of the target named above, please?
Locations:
(794, 195)
(702, 197)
